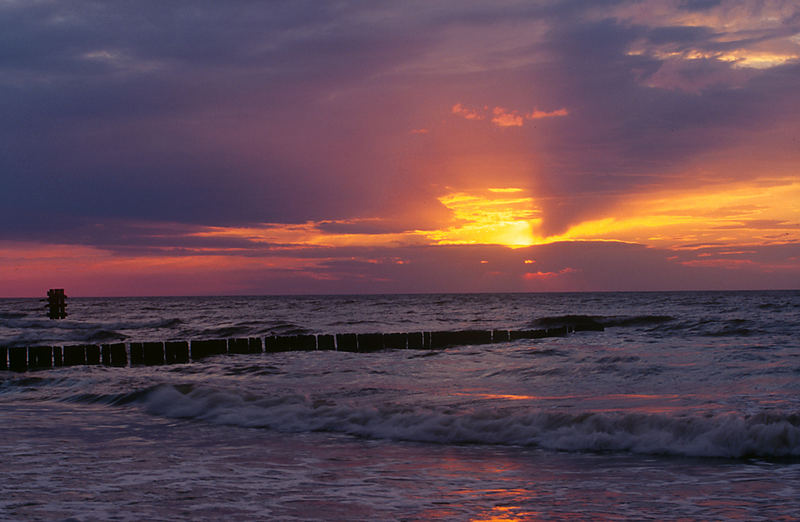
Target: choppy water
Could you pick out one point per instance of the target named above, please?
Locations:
(686, 406)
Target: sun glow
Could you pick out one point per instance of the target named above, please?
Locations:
(496, 216)
(492, 216)
(507, 216)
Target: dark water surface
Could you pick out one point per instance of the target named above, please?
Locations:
(686, 406)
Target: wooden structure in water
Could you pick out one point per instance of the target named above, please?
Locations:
(56, 303)
(154, 353)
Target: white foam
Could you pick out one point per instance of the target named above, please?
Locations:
(765, 435)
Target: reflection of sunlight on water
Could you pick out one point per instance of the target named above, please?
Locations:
(495, 469)
(515, 397)
(616, 402)
(503, 514)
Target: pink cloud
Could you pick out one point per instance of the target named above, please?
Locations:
(466, 113)
(29, 270)
(537, 114)
(505, 118)
(547, 275)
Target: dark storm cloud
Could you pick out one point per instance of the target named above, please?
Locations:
(120, 110)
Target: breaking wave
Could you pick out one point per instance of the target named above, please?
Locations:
(731, 436)
(578, 322)
(104, 336)
(658, 324)
(637, 320)
(597, 322)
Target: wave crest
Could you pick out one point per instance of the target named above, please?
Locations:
(731, 436)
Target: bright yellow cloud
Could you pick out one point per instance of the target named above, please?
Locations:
(741, 58)
(494, 216)
(488, 218)
(738, 215)
(505, 190)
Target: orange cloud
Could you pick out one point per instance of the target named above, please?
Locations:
(735, 215)
(537, 114)
(532, 276)
(503, 117)
(464, 112)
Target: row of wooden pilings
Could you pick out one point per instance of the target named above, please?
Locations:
(174, 352)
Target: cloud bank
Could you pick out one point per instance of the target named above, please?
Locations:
(129, 131)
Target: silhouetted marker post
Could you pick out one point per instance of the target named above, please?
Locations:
(57, 303)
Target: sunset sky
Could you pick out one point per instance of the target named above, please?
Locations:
(251, 147)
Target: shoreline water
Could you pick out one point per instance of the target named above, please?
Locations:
(177, 469)
(685, 406)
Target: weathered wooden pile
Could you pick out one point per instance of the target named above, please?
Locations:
(175, 352)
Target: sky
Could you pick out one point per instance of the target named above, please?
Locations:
(309, 147)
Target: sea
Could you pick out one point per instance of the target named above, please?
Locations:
(686, 406)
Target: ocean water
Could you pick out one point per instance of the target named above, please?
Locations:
(687, 406)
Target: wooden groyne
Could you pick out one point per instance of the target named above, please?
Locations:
(154, 353)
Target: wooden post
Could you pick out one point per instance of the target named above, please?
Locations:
(239, 346)
(500, 336)
(346, 342)
(325, 342)
(40, 357)
(75, 355)
(18, 359)
(114, 354)
(176, 352)
(370, 342)
(254, 345)
(92, 354)
(57, 303)
(153, 353)
(398, 341)
(416, 341)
